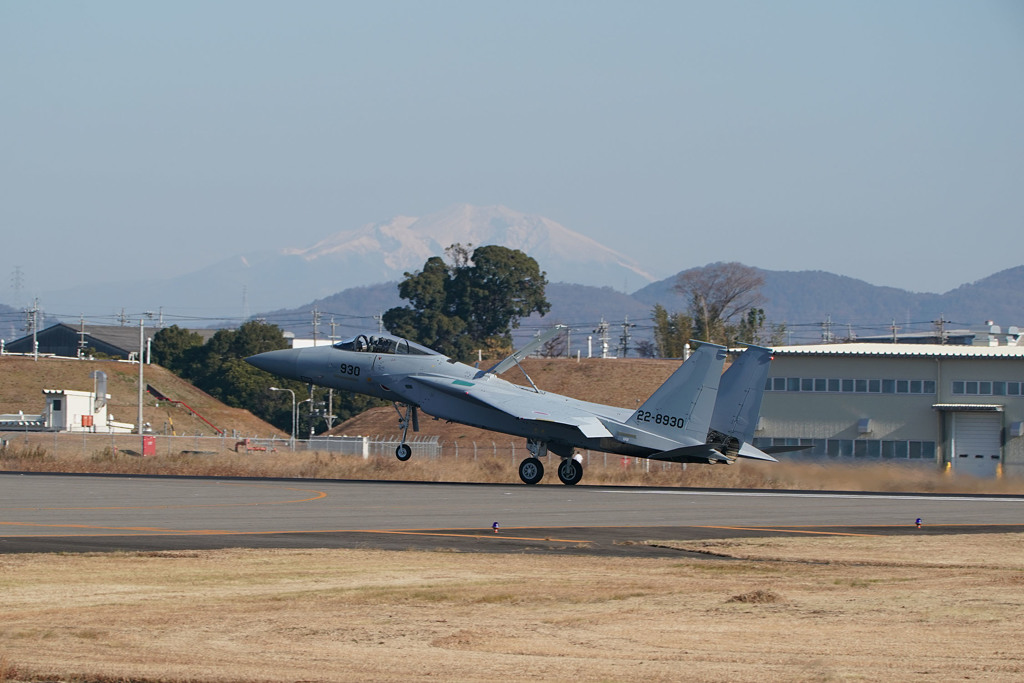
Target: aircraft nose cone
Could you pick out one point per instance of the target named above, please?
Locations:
(281, 362)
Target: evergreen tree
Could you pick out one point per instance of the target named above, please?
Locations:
(474, 302)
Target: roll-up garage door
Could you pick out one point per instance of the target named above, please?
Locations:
(977, 443)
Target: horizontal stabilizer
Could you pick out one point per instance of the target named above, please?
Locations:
(699, 453)
(749, 451)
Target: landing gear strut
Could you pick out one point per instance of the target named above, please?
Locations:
(410, 416)
(531, 470)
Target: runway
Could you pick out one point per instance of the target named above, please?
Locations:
(96, 513)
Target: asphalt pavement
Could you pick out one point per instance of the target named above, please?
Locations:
(98, 513)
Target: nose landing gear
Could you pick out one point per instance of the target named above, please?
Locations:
(411, 416)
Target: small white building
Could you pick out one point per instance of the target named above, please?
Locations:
(79, 411)
(68, 411)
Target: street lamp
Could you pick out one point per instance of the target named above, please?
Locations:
(294, 419)
(310, 402)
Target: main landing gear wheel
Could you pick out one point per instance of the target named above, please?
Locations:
(403, 452)
(570, 472)
(531, 471)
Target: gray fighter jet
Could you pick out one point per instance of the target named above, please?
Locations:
(698, 415)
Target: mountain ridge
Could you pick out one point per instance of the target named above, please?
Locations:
(801, 300)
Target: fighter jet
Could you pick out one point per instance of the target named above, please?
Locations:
(698, 415)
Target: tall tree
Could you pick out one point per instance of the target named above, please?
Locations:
(672, 331)
(172, 346)
(718, 292)
(499, 287)
(473, 302)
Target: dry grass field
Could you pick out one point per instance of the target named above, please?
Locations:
(929, 608)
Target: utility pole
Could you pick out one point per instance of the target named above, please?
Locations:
(624, 339)
(940, 328)
(602, 330)
(142, 344)
(316, 323)
(81, 337)
(32, 323)
(826, 331)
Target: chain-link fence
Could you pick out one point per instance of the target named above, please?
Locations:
(85, 444)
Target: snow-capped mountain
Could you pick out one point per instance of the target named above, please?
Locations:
(371, 254)
(404, 243)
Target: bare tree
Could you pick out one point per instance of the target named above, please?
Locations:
(719, 292)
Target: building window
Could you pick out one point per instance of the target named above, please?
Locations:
(867, 386)
(859, 448)
(56, 404)
(986, 388)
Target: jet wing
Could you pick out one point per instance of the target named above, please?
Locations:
(517, 403)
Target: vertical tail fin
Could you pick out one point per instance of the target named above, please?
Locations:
(684, 404)
(739, 398)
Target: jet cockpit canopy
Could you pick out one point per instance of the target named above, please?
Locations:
(384, 344)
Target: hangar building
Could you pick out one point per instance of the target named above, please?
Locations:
(958, 407)
(68, 341)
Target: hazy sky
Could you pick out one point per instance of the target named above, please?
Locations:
(880, 140)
